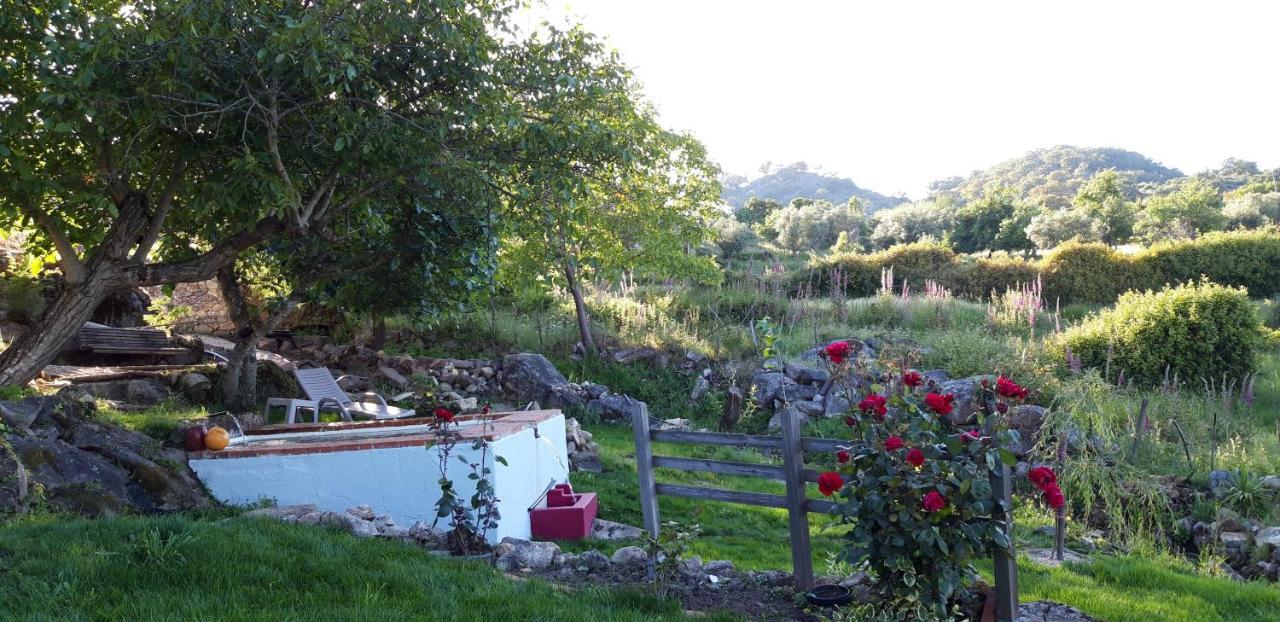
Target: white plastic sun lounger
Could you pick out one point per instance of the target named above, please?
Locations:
(323, 392)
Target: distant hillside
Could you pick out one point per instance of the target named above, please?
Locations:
(796, 180)
(1054, 174)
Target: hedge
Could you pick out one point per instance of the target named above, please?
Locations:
(1075, 272)
(1198, 331)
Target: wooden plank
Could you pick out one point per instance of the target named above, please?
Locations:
(797, 517)
(644, 473)
(823, 445)
(716, 438)
(1006, 566)
(820, 506)
(728, 496)
(766, 471)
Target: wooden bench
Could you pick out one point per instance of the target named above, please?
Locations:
(107, 340)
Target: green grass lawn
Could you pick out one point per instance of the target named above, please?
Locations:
(193, 568)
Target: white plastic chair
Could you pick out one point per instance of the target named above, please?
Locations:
(323, 389)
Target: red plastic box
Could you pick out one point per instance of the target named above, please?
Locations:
(568, 515)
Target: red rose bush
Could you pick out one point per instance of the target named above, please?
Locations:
(916, 492)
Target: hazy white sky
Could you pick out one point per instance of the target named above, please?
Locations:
(895, 94)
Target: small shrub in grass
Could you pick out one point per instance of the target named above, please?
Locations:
(1199, 331)
(1085, 272)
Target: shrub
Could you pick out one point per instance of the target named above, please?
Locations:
(22, 298)
(1199, 331)
(1085, 272)
(1249, 259)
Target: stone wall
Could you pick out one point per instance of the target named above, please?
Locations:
(207, 312)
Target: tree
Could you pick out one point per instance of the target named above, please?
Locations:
(807, 225)
(756, 210)
(1107, 199)
(155, 143)
(611, 193)
(911, 222)
(1012, 236)
(1252, 210)
(1194, 208)
(1053, 227)
(978, 223)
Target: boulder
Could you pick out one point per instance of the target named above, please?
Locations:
(594, 560)
(810, 409)
(13, 481)
(195, 387)
(766, 386)
(700, 388)
(525, 553)
(628, 356)
(1269, 536)
(94, 468)
(531, 376)
(835, 406)
(630, 555)
(615, 407)
(352, 383)
(1220, 481)
(608, 530)
(393, 376)
(1272, 482)
(145, 392)
(936, 375)
(806, 375)
(1026, 419)
(965, 404)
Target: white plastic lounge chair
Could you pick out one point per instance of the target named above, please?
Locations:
(323, 393)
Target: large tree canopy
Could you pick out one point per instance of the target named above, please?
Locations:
(154, 143)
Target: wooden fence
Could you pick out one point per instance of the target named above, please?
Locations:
(796, 477)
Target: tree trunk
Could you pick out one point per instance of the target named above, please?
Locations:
(22, 361)
(379, 338)
(240, 381)
(580, 307)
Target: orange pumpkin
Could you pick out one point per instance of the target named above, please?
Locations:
(216, 439)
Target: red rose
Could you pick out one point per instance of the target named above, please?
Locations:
(934, 501)
(842, 456)
(850, 421)
(1053, 496)
(874, 404)
(485, 410)
(892, 443)
(912, 378)
(915, 457)
(1002, 408)
(1042, 476)
(838, 351)
(970, 436)
(1009, 388)
(444, 414)
(829, 483)
(940, 404)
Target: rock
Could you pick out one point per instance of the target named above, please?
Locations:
(145, 392)
(772, 578)
(1269, 536)
(608, 530)
(719, 567)
(593, 560)
(1220, 481)
(586, 462)
(1201, 535)
(938, 376)
(1272, 482)
(673, 424)
(811, 410)
(531, 376)
(1045, 611)
(1228, 520)
(836, 406)
(429, 536)
(700, 388)
(13, 481)
(775, 422)
(352, 383)
(391, 375)
(631, 355)
(966, 392)
(766, 386)
(564, 560)
(806, 375)
(630, 555)
(796, 392)
(1230, 572)
(123, 309)
(526, 553)
(615, 407)
(94, 468)
(280, 512)
(362, 512)
(353, 524)
(1026, 419)
(195, 387)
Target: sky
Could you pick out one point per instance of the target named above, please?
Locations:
(895, 94)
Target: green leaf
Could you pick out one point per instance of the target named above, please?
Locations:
(339, 143)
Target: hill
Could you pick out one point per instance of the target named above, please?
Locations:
(797, 180)
(1054, 174)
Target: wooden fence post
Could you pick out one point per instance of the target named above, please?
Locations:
(793, 468)
(1006, 564)
(644, 472)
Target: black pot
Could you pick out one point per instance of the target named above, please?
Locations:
(830, 596)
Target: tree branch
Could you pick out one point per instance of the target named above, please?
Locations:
(162, 211)
(273, 148)
(73, 270)
(205, 266)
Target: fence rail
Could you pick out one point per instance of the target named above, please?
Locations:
(796, 477)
